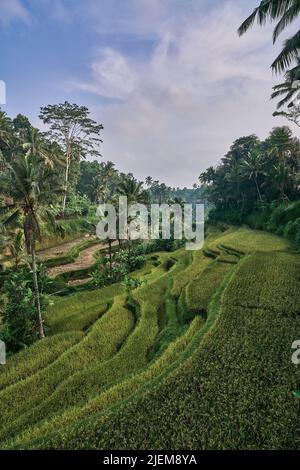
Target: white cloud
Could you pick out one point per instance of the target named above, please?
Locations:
(11, 10)
(181, 108)
(112, 76)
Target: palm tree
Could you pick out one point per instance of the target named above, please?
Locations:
(31, 186)
(285, 11)
(288, 87)
(280, 179)
(251, 168)
(135, 193)
(149, 181)
(38, 145)
(133, 190)
(14, 245)
(208, 176)
(281, 143)
(103, 180)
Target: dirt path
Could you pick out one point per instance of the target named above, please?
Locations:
(84, 260)
(59, 250)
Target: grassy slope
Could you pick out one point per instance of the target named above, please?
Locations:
(223, 383)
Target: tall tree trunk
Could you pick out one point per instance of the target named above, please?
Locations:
(258, 190)
(110, 256)
(284, 198)
(66, 182)
(37, 294)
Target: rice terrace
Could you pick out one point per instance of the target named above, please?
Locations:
(189, 339)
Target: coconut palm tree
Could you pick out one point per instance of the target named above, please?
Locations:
(13, 244)
(31, 186)
(37, 144)
(280, 178)
(135, 193)
(285, 12)
(133, 190)
(103, 180)
(251, 168)
(288, 87)
(149, 181)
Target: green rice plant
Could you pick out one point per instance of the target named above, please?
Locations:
(227, 258)
(72, 255)
(172, 327)
(226, 383)
(133, 356)
(196, 266)
(244, 240)
(39, 355)
(173, 354)
(268, 281)
(86, 427)
(79, 320)
(62, 313)
(214, 254)
(233, 392)
(102, 342)
(200, 290)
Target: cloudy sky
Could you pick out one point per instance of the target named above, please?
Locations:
(170, 80)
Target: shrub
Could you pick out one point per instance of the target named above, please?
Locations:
(20, 322)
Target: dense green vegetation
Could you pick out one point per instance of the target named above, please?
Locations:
(162, 360)
(124, 344)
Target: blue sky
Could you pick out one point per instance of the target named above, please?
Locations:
(170, 80)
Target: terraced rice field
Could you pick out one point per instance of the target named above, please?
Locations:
(85, 259)
(199, 358)
(60, 250)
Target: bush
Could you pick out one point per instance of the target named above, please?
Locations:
(20, 322)
(123, 262)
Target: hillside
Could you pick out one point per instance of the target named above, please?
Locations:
(199, 358)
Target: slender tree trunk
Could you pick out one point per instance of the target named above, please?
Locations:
(258, 190)
(284, 198)
(110, 256)
(66, 182)
(37, 294)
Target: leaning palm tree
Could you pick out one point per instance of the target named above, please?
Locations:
(284, 12)
(31, 186)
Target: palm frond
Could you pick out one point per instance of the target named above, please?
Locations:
(288, 17)
(12, 218)
(289, 54)
(267, 9)
(286, 99)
